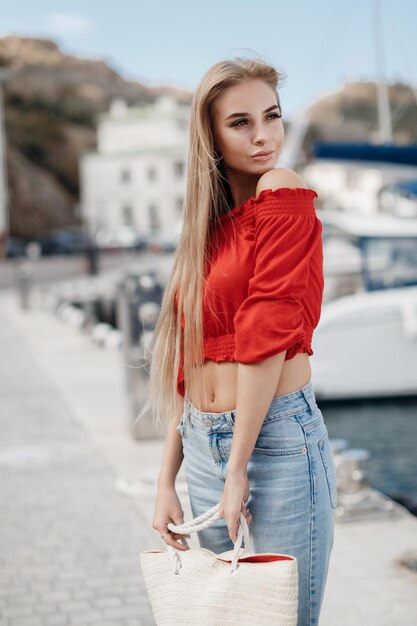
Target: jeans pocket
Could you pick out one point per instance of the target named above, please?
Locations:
(275, 451)
(281, 437)
(330, 469)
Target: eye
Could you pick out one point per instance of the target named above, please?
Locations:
(238, 122)
(273, 115)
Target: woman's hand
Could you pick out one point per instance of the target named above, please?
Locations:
(236, 493)
(168, 509)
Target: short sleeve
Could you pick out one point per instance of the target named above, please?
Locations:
(270, 319)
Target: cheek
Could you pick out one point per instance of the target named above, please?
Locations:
(230, 139)
(235, 145)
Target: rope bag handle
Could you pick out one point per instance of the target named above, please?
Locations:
(204, 521)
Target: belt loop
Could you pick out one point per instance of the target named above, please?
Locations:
(187, 411)
(184, 416)
(308, 394)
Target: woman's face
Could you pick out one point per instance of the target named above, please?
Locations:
(245, 121)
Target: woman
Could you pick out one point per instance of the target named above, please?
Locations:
(230, 365)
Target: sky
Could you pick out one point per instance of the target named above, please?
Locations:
(318, 45)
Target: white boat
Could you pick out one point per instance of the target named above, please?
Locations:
(366, 342)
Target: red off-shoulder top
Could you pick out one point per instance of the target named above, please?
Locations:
(264, 285)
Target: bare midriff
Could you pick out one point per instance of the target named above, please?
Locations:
(221, 382)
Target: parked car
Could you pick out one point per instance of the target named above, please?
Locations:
(65, 242)
(56, 242)
(158, 242)
(141, 242)
(114, 238)
(124, 237)
(15, 247)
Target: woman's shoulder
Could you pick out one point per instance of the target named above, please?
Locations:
(279, 191)
(280, 177)
(282, 191)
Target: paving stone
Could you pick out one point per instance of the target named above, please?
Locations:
(70, 541)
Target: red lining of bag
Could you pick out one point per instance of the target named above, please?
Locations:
(254, 558)
(262, 558)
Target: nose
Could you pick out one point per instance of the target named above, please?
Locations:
(259, 133)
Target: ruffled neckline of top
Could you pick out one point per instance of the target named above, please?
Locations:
(280, 191)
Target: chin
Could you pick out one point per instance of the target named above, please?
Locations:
(261, 168)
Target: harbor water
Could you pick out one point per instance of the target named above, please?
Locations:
(387, 429)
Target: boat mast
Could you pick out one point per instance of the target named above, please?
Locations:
(4, 213)
(384, 113)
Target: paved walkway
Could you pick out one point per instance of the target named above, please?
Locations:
(70, 541)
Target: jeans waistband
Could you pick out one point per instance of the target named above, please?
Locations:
(281, 406)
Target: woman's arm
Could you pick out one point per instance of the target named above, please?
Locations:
(270, 320)
(256, 384)
(173, 455)
(167, 503)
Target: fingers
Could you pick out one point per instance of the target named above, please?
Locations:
(233, 531)
(246, 512)
(171, 538)
(234, 526)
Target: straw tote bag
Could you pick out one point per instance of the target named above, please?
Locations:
(197, 586)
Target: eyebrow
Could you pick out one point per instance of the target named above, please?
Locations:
(274, 106)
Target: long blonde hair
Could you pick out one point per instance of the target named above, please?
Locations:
(207, 198)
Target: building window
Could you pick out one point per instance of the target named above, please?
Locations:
(179, 169)
(154, 220)
(100, 215)
(125, 176)
(151, 173)
(180, 205)
(128, 219)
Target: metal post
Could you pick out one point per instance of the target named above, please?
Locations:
(133, 354)
(356, 499)
(24, 275)
(4, 193)
(124, 323)
(91, 255)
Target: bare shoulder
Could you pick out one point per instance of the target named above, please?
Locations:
(279, 177)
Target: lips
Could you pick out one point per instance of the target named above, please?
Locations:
(263, 156)
(263, 153)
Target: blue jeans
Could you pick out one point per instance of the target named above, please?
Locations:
(292, 481)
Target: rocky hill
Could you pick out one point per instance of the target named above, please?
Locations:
(52, 100)
(51, 103)
(350, 114)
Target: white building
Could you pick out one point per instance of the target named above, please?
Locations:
(137, 175)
